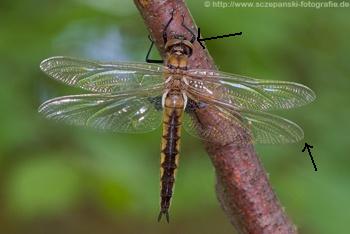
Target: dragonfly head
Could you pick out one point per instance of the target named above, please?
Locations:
(179, 45)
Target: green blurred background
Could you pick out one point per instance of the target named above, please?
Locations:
(60, 179)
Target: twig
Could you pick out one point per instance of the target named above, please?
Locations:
(242, 184)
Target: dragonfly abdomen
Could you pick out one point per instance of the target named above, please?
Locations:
(172, 121)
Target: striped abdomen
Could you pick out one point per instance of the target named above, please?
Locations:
(172, 120)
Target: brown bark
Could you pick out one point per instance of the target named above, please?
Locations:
(242, 185)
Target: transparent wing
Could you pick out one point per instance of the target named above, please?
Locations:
(247, 93)
(228, 126)
(104, 77)
(212, 124)
(118, 113)
(272, 129)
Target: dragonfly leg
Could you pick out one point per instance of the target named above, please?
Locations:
(165, 36)
(193, 38)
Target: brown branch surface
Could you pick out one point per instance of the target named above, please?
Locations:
(242, 185)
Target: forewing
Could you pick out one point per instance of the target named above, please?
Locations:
(225, 126)
(104, 77)
(117, 113)
(247, 93)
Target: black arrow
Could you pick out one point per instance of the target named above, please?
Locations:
(212, 38)
(308, 147)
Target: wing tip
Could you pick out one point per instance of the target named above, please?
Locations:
(42, 108)
(296, 133)
(47, 63)
(309, 93)
(312, 95)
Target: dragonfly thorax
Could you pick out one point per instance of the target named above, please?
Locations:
(178, 51)
(175, 82)
(177, 61)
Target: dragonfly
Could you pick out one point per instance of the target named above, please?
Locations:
(130, 97)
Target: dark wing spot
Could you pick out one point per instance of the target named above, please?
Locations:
(157, 102)
(193, 105)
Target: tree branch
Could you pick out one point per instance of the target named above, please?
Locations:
(242, 184)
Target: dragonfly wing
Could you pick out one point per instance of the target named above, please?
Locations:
(104, 77)
(271, 129)
(214, 124)
(247, 93)
(223, 125)
(119, 113)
